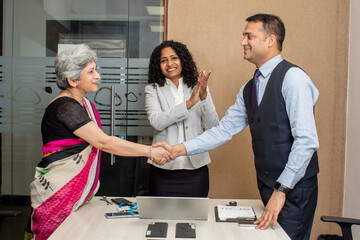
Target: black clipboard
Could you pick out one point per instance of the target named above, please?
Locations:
(242, 220)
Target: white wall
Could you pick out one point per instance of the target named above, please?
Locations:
(351, 203)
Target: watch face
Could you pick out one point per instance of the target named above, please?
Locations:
(277, 185)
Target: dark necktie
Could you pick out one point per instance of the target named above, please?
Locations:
(254, 102)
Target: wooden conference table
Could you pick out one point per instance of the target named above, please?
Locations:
(89, 223)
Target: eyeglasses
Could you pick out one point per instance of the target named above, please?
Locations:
(106, 200)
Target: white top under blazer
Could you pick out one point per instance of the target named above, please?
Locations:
(174, 123)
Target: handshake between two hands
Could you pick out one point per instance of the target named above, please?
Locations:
(162, 152)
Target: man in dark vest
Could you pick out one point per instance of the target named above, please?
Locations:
(278, 105)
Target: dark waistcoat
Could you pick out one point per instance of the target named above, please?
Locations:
(270, 130)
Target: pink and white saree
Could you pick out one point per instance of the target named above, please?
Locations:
(65, 179)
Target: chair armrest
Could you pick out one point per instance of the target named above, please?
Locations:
(340, 220)
(8, 213)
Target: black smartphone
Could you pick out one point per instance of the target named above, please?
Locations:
(157, 229)
(118, 201)
(185, 230)
(121, 215)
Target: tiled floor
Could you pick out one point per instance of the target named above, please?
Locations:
(13, 228)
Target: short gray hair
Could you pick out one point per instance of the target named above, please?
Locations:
(69, 63)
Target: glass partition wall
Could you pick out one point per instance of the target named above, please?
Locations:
(123, 33)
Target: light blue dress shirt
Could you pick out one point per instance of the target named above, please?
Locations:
(300, 95)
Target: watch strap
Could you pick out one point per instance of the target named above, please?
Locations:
(279, 187)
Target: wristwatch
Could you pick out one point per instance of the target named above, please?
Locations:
(279, 187)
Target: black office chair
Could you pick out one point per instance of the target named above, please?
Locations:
(345, 224)
(8, 213)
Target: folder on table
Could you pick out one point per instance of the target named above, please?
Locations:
(225, 213)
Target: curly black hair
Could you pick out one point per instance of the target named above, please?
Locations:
(189, 70)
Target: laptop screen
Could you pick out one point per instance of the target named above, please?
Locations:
(173, 208)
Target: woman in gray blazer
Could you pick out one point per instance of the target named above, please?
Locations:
(179, 108)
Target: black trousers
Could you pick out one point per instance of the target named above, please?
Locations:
(179, 183)
(297, 215)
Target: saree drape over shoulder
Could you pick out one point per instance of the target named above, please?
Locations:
(65, 179)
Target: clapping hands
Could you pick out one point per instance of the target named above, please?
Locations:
(199, 90)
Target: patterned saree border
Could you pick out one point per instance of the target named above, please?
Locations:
(58, 145)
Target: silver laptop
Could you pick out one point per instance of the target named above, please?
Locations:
(173, 208)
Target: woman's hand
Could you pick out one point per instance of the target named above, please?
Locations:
(194, 97)
(160, 156)
(203, 80)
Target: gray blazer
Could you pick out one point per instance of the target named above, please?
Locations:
(165, 116)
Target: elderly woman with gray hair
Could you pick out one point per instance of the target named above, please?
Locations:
(67, 176)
